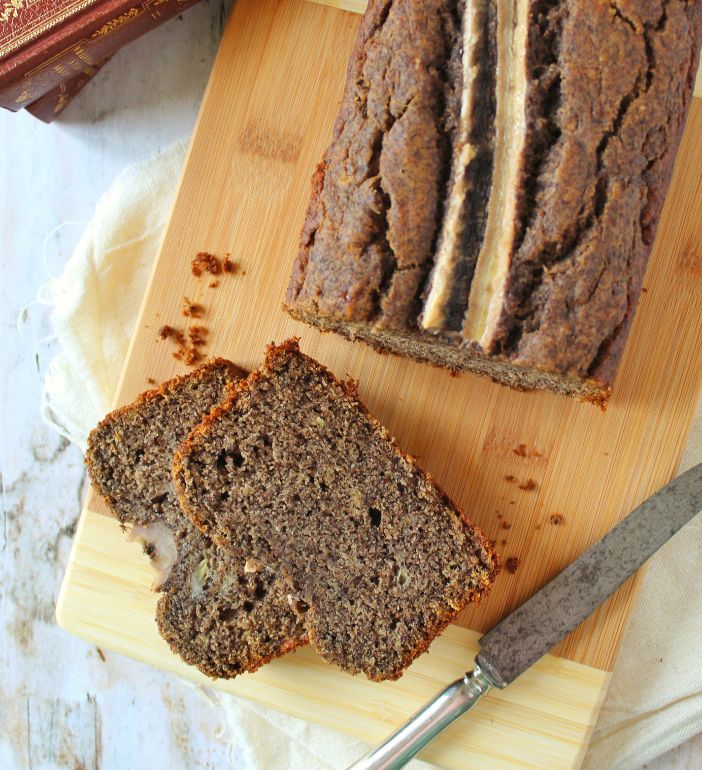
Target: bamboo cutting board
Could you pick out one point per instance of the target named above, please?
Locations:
(543, 475)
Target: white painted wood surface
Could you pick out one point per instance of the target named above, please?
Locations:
(61, 704)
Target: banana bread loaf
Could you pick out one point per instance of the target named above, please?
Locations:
(294, 471)
(217, 611)
(491, 193)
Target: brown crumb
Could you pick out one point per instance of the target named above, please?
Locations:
(511, 502)
(512, 564)
(510, 478)
(189, 356)
(503, 542)
(204, 261)
(644, 289)
(197, 335)
(506, 525)
(101, 654)
(228, 266)
(453, 372)
(151, 380)
(538, 526)
(214, 284)
(166, 331)
(188, 350)
(192, 309)
(520, 450)
(529, 485)
(556, 519)
(352, 386)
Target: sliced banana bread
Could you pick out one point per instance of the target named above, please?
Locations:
(295, 472)
(214, 612)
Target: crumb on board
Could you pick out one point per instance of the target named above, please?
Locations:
(509, 477)
(214, 284)
(228, 266)
(352, 386)
(189, 349)
(506, 525)
(192, 309)
(197, 335)
(205, 262)
(151, 380)
(529, 485)
(167, 332)
(512, 564)
(556, 519)
(101, 654)
(503, 542)
(521, 450)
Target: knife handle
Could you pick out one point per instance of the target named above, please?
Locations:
(427, 723)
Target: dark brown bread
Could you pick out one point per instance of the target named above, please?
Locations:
(600, 93)
(216, 611)
(294, 471)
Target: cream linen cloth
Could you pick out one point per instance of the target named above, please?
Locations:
(655, 698)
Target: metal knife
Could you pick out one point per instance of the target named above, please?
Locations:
(519, 640)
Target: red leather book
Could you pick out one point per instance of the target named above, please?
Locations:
(47, 107)
(45, 44)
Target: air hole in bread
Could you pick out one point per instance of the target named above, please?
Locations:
(237, 459)
(375, 516)
(260, 590)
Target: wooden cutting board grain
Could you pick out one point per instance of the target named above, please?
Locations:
(543, 475)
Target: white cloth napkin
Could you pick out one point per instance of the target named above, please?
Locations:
(655, 699)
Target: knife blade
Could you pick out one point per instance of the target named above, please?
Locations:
(529, 632)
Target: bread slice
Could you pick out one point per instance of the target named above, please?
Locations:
(294, 471)
(215, 611)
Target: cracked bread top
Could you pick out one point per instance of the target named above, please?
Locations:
(370, 232)
(608, 84)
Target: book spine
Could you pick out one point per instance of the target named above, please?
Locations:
(48, 106)
(64, 54)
